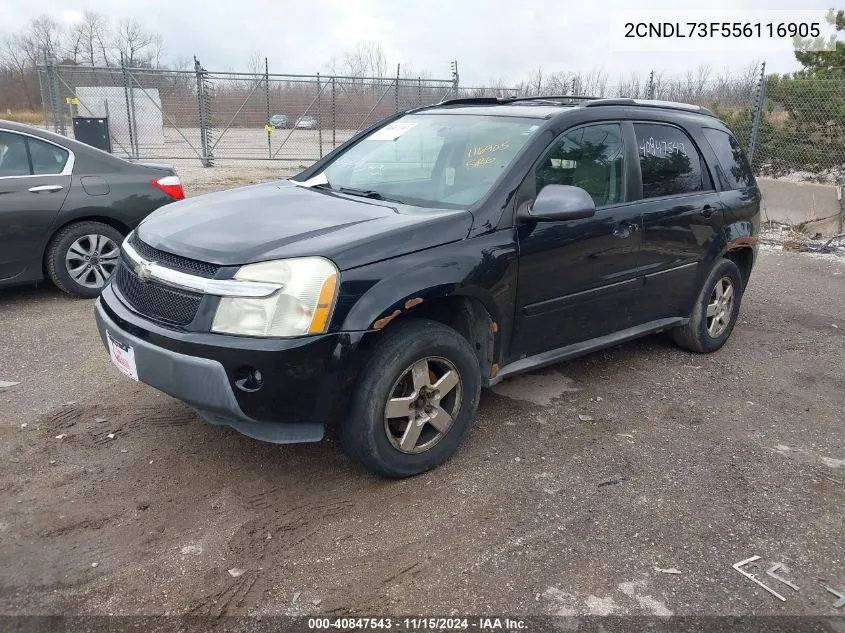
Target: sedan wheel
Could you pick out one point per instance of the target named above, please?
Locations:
(82, 257)
(92, 260)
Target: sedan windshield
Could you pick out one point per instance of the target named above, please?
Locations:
(429, 160)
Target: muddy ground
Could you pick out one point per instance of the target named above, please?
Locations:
(576, 491)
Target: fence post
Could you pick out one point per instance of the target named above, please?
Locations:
(334, 116)
(455, 77)
(202, 105)
(650, 89)
(419, 92)
(758, 112)
(47, 93)
(126, 88)
(58, 116)
(396, 95)
(319, 117)
(267, 99)
(43, 93)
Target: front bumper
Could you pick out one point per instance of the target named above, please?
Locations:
(307, 382)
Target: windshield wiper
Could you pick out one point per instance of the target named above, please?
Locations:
(363, 193)
(368, 193)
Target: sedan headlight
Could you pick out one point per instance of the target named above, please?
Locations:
(301, 306)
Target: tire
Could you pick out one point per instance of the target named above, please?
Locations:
(700, 335)
(68, 249)
(392, 372)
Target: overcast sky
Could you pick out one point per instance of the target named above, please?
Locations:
(491, 39)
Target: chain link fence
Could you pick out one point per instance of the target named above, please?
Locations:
(793, 128)
(228, 116)
(801, 132)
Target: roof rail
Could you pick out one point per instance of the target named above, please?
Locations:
(556, 99)
(541, 99)
(472, 100)
(651, 103)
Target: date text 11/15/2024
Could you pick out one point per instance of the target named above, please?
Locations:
(419, 624)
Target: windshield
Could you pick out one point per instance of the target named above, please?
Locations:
(430, 160)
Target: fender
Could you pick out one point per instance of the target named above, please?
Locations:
(741, 234)
(483, 268)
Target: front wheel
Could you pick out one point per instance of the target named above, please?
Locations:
(716, 310)
(416, 398)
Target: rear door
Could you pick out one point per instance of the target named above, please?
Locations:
(34, 181)
(740, 195)
(682, 215)
(576, 278)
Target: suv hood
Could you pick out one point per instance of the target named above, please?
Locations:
(281, 219)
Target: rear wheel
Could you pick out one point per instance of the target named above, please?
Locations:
(416, 399)
(716, 310)
(82, 257)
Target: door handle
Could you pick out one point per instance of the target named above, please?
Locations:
(46, 188)
(707, 211)
(624, 229)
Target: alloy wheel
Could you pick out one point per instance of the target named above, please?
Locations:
(91, 260)
(423, 405)
(720, 307)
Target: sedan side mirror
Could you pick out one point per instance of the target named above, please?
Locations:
(556, 203)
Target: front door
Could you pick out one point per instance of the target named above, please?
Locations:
(576, 278)
(33, 188)
(682, 216)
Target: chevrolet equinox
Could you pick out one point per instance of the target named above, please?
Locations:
(433, 254)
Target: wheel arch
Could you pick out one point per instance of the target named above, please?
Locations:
(739, 244)
(743, 257)
(410, 293)
(117, 225)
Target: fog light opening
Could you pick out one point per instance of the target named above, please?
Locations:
(248, 379)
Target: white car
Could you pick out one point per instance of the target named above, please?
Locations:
(306, 122)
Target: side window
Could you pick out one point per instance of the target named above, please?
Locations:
(14, 160)
(589, 157)
(669, 161)
(46, 157)
(733, 167)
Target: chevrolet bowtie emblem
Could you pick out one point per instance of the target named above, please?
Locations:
(143, 270)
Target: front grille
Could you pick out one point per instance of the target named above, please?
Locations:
(176, 262)
(160, 303)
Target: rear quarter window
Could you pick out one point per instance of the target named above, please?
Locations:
(46, 158)
(733, 168)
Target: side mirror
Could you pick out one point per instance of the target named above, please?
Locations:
(556, 203)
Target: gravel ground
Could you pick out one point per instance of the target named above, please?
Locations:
(576, 491)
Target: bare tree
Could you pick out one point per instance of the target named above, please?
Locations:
(137, 45)
(15, 61)
(535, 81)
(255, 62)
(367, 59)
(90, 39)
(45, 37)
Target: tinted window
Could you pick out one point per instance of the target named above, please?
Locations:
(14, 160)
(733, 168)
(46, 157)
(590, 157)
(669, 161)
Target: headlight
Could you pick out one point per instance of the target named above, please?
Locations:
(302, 306)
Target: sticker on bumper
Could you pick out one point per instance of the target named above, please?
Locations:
(123, 357)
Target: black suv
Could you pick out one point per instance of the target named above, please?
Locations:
(431, 255)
